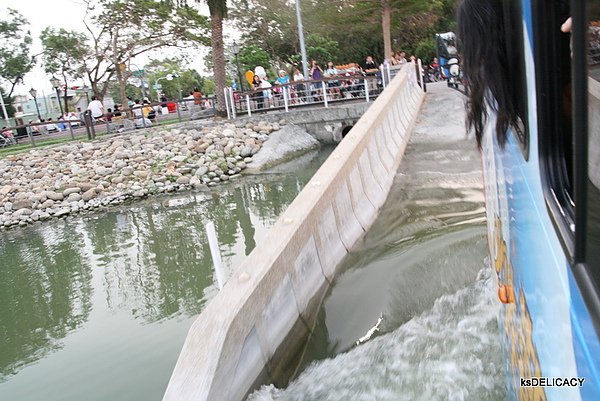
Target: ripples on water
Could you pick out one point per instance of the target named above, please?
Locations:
(421, 266)
(96, 307)
(450, 352)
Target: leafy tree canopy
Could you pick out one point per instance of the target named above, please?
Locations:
(15, 43)
(251, 56)
(187, 80)
(121, 30)
(340, 30)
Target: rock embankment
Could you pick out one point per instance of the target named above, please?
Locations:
(78, 176)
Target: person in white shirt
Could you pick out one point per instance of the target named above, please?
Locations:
(299, 89)
(96, 108)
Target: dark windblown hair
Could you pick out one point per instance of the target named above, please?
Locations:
(485, 62)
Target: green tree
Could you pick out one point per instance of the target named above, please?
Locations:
(425, 50)
(354, 26)
(251, 56)
(121, 30)
(15, 43)
(321, 48)
(187, 80)
(218, 12)
(61, 49)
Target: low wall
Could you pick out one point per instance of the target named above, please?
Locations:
(260, 318)
(325, 124)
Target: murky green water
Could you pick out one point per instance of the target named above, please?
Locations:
(97, 307)
(422, 269)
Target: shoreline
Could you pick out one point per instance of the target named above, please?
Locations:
(84, 176)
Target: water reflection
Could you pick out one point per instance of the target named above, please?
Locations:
(45, 293)
(99, 295)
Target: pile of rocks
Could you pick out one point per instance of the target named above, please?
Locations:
(69, 178)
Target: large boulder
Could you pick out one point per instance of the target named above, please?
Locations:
(282, 145)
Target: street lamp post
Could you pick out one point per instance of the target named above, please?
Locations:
(235, 49)
(168, 77)
(33, 94)
(301, 36)
(55, 82)
(140, 74)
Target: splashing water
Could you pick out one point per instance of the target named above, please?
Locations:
(451, 352)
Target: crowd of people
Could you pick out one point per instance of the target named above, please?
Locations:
(267, 93)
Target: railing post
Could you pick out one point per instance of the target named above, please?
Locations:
(367, 90)
(227, 103)
(71, 129)
(285, 98)
(382, 71)
(89, 123)
(248, 105)
(324, 93)
(30, 134)
(232, 102)
(420, 74)
(178, 103)
(389, 74)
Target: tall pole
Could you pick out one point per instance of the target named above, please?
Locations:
(46, 108)
(301, 36)
(37, 108)
(237, 64)
(3, 107)
(59, 104)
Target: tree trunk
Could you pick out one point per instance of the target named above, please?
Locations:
(386, 17)
(65, 99)
(218, 51)
(118, 70)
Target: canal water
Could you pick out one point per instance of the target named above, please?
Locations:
(97, 307)
(422, 272)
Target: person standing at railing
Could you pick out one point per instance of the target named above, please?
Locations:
(299, 89)
(371, 69)
(401, 58)
(282, 79)
(334, 86)
(258, 95)
(267, 94)
(316, 74)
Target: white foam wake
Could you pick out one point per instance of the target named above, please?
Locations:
(451, 352)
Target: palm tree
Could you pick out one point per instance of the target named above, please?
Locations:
(386, 17)
(218, 11)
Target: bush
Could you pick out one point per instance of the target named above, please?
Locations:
(425, 50)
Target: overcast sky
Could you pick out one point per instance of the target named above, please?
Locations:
(66, 14)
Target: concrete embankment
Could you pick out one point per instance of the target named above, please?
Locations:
(257, 322)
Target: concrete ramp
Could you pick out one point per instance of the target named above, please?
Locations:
(257, 323)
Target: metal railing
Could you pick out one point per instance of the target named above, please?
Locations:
(301, 93)
(325, 92)
(124, 120)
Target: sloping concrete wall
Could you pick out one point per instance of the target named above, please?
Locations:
(325, 124)
(266, 308)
